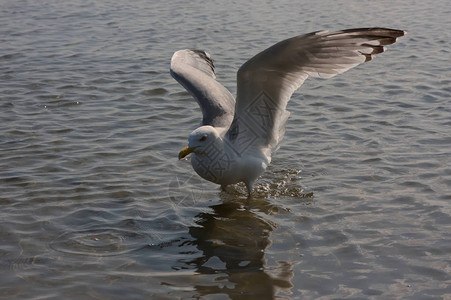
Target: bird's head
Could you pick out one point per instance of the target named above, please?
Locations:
(201, 141)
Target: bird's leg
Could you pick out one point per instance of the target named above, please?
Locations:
(249, 187)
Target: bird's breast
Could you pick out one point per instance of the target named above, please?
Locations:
(224, 168)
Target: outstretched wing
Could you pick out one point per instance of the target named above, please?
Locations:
(195, 71)
(267, 81)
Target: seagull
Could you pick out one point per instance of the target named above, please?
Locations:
(237, 138)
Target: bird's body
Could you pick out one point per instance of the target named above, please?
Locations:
(221, 162)
(236, 139)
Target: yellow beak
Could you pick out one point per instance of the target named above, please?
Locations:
(185, 151)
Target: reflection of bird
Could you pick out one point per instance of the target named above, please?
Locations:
(236, 140)
(233, 242)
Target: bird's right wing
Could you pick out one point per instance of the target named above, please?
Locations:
(195, 71)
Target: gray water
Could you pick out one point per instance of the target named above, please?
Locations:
(96, 205)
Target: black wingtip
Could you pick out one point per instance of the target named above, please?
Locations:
(204, 55)
(377, 30)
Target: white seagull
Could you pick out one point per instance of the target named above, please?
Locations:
(236, 138)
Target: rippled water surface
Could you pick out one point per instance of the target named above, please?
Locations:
(96, 205)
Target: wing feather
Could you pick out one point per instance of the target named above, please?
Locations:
(266, 82)
(195, 71)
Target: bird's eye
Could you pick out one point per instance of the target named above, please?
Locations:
(203, 138)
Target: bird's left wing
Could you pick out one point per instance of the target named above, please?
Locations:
(266, 82)
(195, 71)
